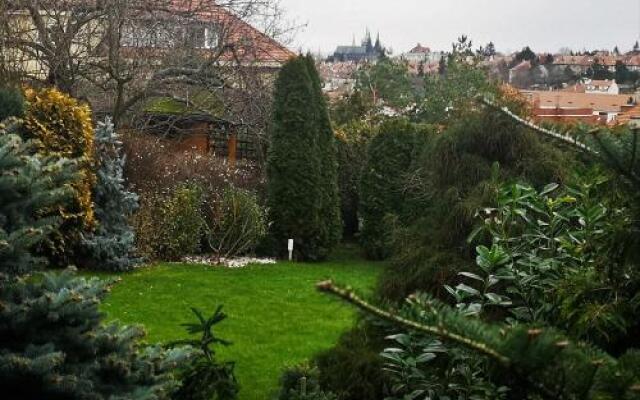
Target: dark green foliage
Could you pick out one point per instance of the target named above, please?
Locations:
(302, 383)
(350, 108)
(111, 246)
(385, 83)
(54, 345)
(624, 75)
(352, 143)
(330, 216)
(390, 156)
(29, 186)
(204, 378)
(456, 175)
(526, 54)
(301, 168)
(449, 95)
(530, 361)
(421, 365)
(12, 103)
(563, 260)
(353, 368)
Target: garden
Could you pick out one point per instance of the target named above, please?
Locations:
(454, 249)
(275, 317)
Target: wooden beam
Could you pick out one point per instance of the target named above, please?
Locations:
(232, 146)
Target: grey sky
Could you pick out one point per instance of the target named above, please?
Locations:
(546, 25)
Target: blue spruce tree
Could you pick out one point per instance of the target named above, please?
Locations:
(111, 246)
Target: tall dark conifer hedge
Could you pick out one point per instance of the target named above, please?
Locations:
(302, 172)
(330, 209)
(390, 158)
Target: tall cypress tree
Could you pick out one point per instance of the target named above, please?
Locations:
(299, 207)
(111, 246)
(330, 194)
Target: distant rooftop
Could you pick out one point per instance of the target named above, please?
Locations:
(420, 49)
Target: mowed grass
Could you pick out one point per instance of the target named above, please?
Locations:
(276, 318)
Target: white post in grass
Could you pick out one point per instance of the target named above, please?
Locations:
(290, 248)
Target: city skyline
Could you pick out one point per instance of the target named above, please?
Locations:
(546, 25)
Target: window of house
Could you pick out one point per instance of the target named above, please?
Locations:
(147, 33)
(196, 36)
(212, 37)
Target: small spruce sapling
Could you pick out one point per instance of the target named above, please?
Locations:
(205, 378)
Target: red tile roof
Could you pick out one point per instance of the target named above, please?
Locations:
(420, 49)
(573, 100)
(245, 43)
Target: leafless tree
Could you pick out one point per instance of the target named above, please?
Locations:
(121, 54)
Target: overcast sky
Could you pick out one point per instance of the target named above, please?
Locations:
(545, 25)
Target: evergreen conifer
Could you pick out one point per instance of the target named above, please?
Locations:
(29, 186)
(390, 155)
(111, 246)
(53, 344)
(330, 207)
(301, 166)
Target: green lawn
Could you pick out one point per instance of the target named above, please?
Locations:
(276, 317)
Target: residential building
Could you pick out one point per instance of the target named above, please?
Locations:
(421, 54)
(597, 108)
(338, 77)
(601, 86)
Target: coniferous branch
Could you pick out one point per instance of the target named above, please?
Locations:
(604, 153)
(529, 359)
(572, 141)
(615, 161)
(440, 331)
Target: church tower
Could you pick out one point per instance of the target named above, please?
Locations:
(378, 46)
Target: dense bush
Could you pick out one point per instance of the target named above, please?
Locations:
(111, 247)
(170, 225)
(390, 156)
(55, 346)
(353, 369)
(457, 174)
(60, 126)
(562, 295)
(566, 265)
(352, 142)
(12, 103)
(235, 223)
(154, 165)
(302, 184)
